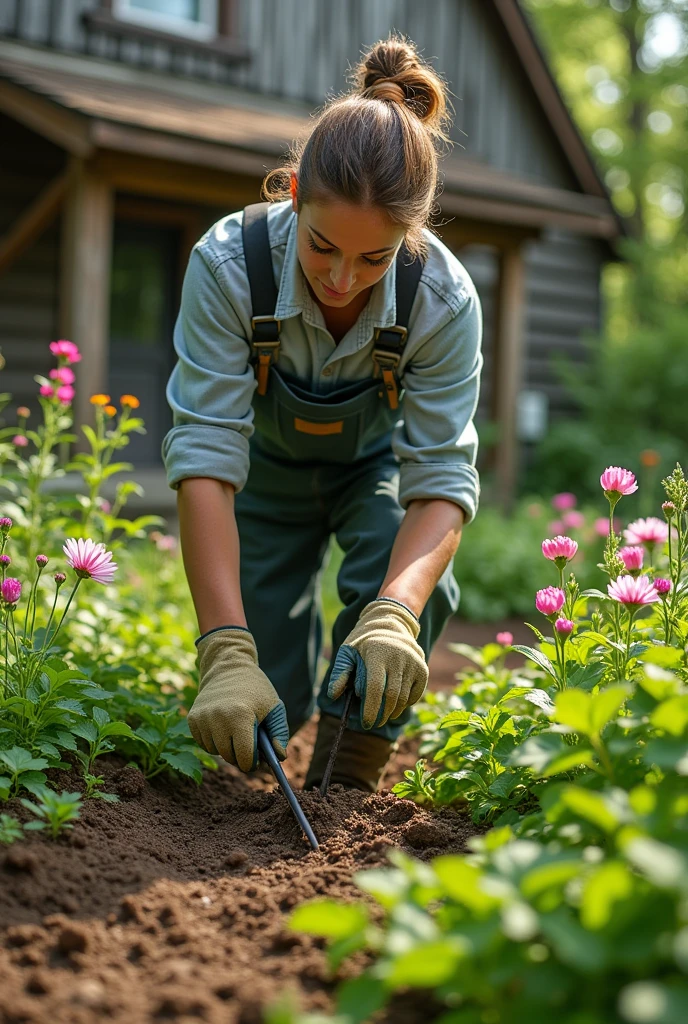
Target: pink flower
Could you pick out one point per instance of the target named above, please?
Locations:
(661, 585)
(63, 374)
(11, 590)
(105, 505)
(573, 520)
(601, 526)
(632, 558)
(59, 578)
(65, 393)
(20, 441)
(67, 349)
(559, 550)
(5, 524)
(90, 560)
(550, 600)
(668, 508)
(46, 391)
(5, 559)
(563, 501)
(564, 626)
(505, 638)
(648, 531)
(42, 560)
(556, 526)
(633, 591)
(167, 542)
(616, 482)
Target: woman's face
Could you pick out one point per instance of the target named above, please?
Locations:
(344, 249)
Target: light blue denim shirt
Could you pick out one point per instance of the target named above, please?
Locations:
(211, 386)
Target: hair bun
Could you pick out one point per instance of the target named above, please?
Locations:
(393, 70)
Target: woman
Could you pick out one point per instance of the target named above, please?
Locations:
(328, 375)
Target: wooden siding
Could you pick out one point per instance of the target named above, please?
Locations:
(29, 288)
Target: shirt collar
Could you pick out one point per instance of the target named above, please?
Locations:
(294, 297)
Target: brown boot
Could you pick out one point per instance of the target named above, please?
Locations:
(360, 762)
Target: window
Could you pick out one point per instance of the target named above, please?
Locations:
(197, 18)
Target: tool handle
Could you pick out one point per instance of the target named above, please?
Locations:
(267, 750)
(325, 784)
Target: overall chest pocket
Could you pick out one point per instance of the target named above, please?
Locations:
(320, 428)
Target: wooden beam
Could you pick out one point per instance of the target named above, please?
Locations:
(462, 231)
(31, 224)
(85, 282)
(67, 130)
(507, 369)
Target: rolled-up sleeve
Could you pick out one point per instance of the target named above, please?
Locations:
(436, 442)
(211, 386)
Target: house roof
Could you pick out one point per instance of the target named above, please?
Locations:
(85, 104)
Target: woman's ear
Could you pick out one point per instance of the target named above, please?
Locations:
(293, 190)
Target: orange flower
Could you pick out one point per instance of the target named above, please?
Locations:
(130, 400)
(649, 457)
(111, 410)
(23, 410)
(99, 399)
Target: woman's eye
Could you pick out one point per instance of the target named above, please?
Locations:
(377, 263)
(326, 252)
(316, 248)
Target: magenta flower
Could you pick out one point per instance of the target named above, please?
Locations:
(506, 639)
(550, 600)
(661, 585)
(5, 523)
(616, 482)
(564, 626)
(90, 560)
(601, 526)
(42, 560)
(632, 591)
(557, 527)
(167, 542)
(5, 559)
(46, 391)
(59, 578)
(11, 590)
(559, 550)
(65, 393)
(67, 349)
(648, 531)
(563, 501)
(63, 374)
(20, 441)
(632, 558)
(573, 520)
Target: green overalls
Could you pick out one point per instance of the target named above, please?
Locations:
(320, 465)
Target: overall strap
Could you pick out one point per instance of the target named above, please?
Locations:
(265, 341)
(390, 341)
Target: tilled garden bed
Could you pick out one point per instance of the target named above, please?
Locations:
(172, 903)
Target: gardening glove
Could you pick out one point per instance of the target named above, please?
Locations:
(234, 697)
(388, 664)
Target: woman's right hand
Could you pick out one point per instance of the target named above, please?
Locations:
(234, 698)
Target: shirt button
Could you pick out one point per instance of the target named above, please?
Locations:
(327, 372)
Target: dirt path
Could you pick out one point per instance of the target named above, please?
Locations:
(170, 905)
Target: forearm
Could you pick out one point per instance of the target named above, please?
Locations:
(210, 549)
(426, 542)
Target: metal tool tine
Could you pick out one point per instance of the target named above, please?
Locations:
(325, 784)
(267, 750)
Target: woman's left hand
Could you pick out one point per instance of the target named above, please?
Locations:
(389, 668)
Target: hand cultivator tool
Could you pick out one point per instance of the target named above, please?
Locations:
(268, 753)
(325, 784)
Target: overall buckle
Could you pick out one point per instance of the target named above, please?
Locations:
(265, 350)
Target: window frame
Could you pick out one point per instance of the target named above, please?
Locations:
(204, 31)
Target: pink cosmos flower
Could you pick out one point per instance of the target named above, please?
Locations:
(67, 349)
(601, 526)
(573, 520)
(20, 441)
(648, 531)
(90, 560)
(550, 600)
(556, 526)
(564, 626)
(65, 393)
(505, 638)
(563, 501)
(560, 550)
(11, 590)
(46, 391)
(661, 585)
(63, 374)
(618, 481)
(633, 591)
(632, 558)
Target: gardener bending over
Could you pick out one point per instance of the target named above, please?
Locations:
(302, 321)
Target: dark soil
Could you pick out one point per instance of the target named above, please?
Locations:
(172, 903)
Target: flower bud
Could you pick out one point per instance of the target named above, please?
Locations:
(661, 585)
(11, 590)
(5, 524)
(506, 639)
(59, 578)
(42, 560)
(669, 509)
(564, 626)
(5, 559)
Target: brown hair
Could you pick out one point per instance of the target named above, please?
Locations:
(377, 145)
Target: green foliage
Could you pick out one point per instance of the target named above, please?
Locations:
(54, 811)
(10, 829)
(20, 770)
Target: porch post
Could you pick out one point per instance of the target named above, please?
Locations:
(508, 367)
(85, 282)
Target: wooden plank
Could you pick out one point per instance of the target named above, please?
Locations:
(31, 224)
(67, 130)
(85, 281)
(508, 369)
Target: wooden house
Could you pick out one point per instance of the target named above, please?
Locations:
(127, 127)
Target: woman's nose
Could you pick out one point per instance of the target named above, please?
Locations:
(342, 277)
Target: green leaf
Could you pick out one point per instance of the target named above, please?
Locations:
(329, 919)
(608, 884)
(590, 806)
(663, 864)
(668, 754)
(359, 998)
(672, 715)
(471, 653)
(573, 709)
(536, 656)
(86, 731)
(462, 883)
(572, 757)
(537, 632)
(574, 945)
(67, 704)
(185, 762)
(427, 965)
(596, 593)
(117, 729)
(100, 717)
(605, 705)
(19, 760)
(538, 751)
